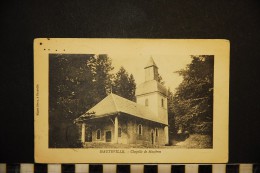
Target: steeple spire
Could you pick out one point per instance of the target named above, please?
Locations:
(151, 93)
(151, 70)
(150, 63)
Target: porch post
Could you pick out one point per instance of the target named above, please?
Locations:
(116, 129)
(83, 131)
(166, 132)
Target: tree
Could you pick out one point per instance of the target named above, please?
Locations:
(124, 84)
(69, 77)
(193, 100)
(171, 117)
(160, 79)
(102, 75)
(132, 87)
(77, 82)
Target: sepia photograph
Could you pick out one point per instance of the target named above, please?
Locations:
(131, 100)
(156, 101)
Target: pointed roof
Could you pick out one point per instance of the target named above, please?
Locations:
(113, 104)
(150, 63)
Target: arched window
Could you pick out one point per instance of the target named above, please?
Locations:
(156, 132)
(146, 102)
(98, 134)
(119, 132)
(140, 130)
(162, 103)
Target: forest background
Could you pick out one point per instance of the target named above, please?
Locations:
(79, 81)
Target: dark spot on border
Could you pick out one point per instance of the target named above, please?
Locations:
(56, 50)
(63, 49)
(48, 38)
(48, 49)
(40, 43)
(44, 49)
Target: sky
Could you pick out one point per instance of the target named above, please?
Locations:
(167, 64)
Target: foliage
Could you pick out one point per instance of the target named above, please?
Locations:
(193, 100)
(171, 117)
(102, 76)
(160, 79)
(70, 75)
(124, 84)
(76, 83)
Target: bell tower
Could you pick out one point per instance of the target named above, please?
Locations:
(152, 94)
(151, 70)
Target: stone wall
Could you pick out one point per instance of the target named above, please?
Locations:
(129, 130)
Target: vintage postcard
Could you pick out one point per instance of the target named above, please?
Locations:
(131, 100)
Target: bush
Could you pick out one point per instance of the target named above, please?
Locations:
(205, 128)
(181, 136)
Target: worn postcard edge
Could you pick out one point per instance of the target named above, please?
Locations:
(217, 47)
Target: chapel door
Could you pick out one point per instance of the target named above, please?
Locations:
(88, 135)
(108, 136)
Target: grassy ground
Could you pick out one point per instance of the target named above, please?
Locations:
(194, 141)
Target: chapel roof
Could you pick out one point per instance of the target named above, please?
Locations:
(113, 104)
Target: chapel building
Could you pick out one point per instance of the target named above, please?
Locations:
(118, 120)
